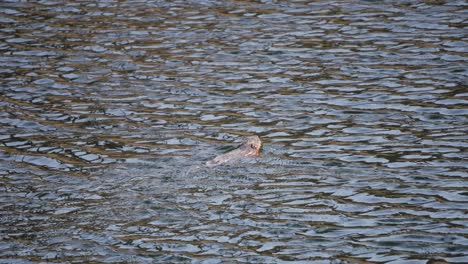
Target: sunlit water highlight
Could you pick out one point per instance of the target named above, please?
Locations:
(109, 111)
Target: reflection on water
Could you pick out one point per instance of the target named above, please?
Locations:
(109, 111)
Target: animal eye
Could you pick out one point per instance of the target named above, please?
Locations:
(252, 146)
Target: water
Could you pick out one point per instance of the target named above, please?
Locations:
(109, 111)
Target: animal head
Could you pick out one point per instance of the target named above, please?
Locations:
(254, 143)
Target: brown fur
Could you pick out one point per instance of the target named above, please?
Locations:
(250, 148)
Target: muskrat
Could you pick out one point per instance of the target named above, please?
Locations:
(250, 148)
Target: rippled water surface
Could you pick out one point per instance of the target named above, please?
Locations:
(109, 111)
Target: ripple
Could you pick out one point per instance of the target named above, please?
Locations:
(110, 111)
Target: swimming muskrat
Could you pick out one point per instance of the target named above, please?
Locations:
(250, 148)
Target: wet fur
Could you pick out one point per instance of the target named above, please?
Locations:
(250, 148)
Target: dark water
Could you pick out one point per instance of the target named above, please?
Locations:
(110, 109)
